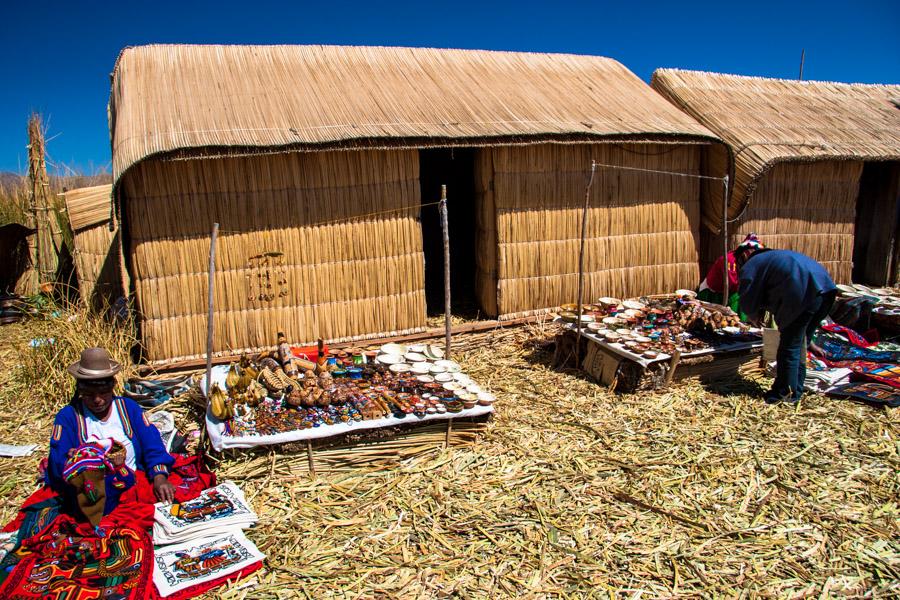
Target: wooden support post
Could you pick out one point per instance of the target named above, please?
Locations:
(210, 304)
(309, 458)
(445, 229)
(584, 217)
(725, 290)
(673, 364)
(447, 436)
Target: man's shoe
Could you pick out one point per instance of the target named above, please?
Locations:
(776, 399)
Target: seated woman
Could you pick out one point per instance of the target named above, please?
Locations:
(94, 414)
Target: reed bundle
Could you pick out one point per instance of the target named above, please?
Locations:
(95, 246)
(312, 244)
(643, 227)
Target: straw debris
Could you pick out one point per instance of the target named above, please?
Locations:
(574, 492)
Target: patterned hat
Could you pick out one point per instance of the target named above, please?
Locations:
(751, 242)
(88, 457)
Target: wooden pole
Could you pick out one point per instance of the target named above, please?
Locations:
(584, 216)
(445, 229)
(210, 299)
(802, 58)
(309, 459)
(725, 286)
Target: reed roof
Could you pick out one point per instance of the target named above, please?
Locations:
(88, 206)
(198, 100)
(768, 121)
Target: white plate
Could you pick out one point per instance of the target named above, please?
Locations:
(642, 339)
(443, 377)
(415, 357)
(425, 379)
(437, 369)
(846, 288)
(689, 293)
(434, 352)
(421, 368)
(451, 386)
(389, 359)
(462, 378)
(731, 330)
(634, 305)
(448, 365)
(486, 398)
(474, 388)
(399, 367)
(420, 348)
(394, 349)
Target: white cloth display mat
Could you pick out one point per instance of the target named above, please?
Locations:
(220, 440)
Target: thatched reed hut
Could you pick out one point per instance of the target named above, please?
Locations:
(317, 162)
(815, 165)
(96, 248)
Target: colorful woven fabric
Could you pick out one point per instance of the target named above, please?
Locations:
(880, 373)
(838, 352)
(69, 561)
(869, 391)
(852, 336)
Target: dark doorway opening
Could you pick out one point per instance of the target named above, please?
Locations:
(875, 245)
(455, 168)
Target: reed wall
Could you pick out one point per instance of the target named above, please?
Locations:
(97, 264)
(323, 244)
(806, 207)
(642, 231)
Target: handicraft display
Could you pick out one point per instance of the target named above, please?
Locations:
(293, 390)
(655, 327)
(214, 511)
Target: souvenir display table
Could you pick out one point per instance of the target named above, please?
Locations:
(277, 401)
(646, 343)
(886, 312)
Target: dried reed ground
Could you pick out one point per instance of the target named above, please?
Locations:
(762, 501)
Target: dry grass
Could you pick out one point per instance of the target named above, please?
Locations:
(574, 492)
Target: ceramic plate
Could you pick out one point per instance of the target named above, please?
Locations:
(642, 339)
(420, 348)
(394, 349)
(449, 365)
(415, 357)
(462, 378)
(624, 332)
(595, 327)
(608, 301)
(474, 388)
(731, 330)
(389, 359)
(452, 386)
(688, 293)
(437, 369)
(486, 397)
(884, 291)
(434, 352)
(443, 377)
(422, 368)
(634, 304)
(846, 288)
(399, 367)
(425, 379)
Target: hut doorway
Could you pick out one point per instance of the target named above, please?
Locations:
(455, 168)
(875, 244)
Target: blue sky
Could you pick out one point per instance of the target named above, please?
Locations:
(56, 59)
